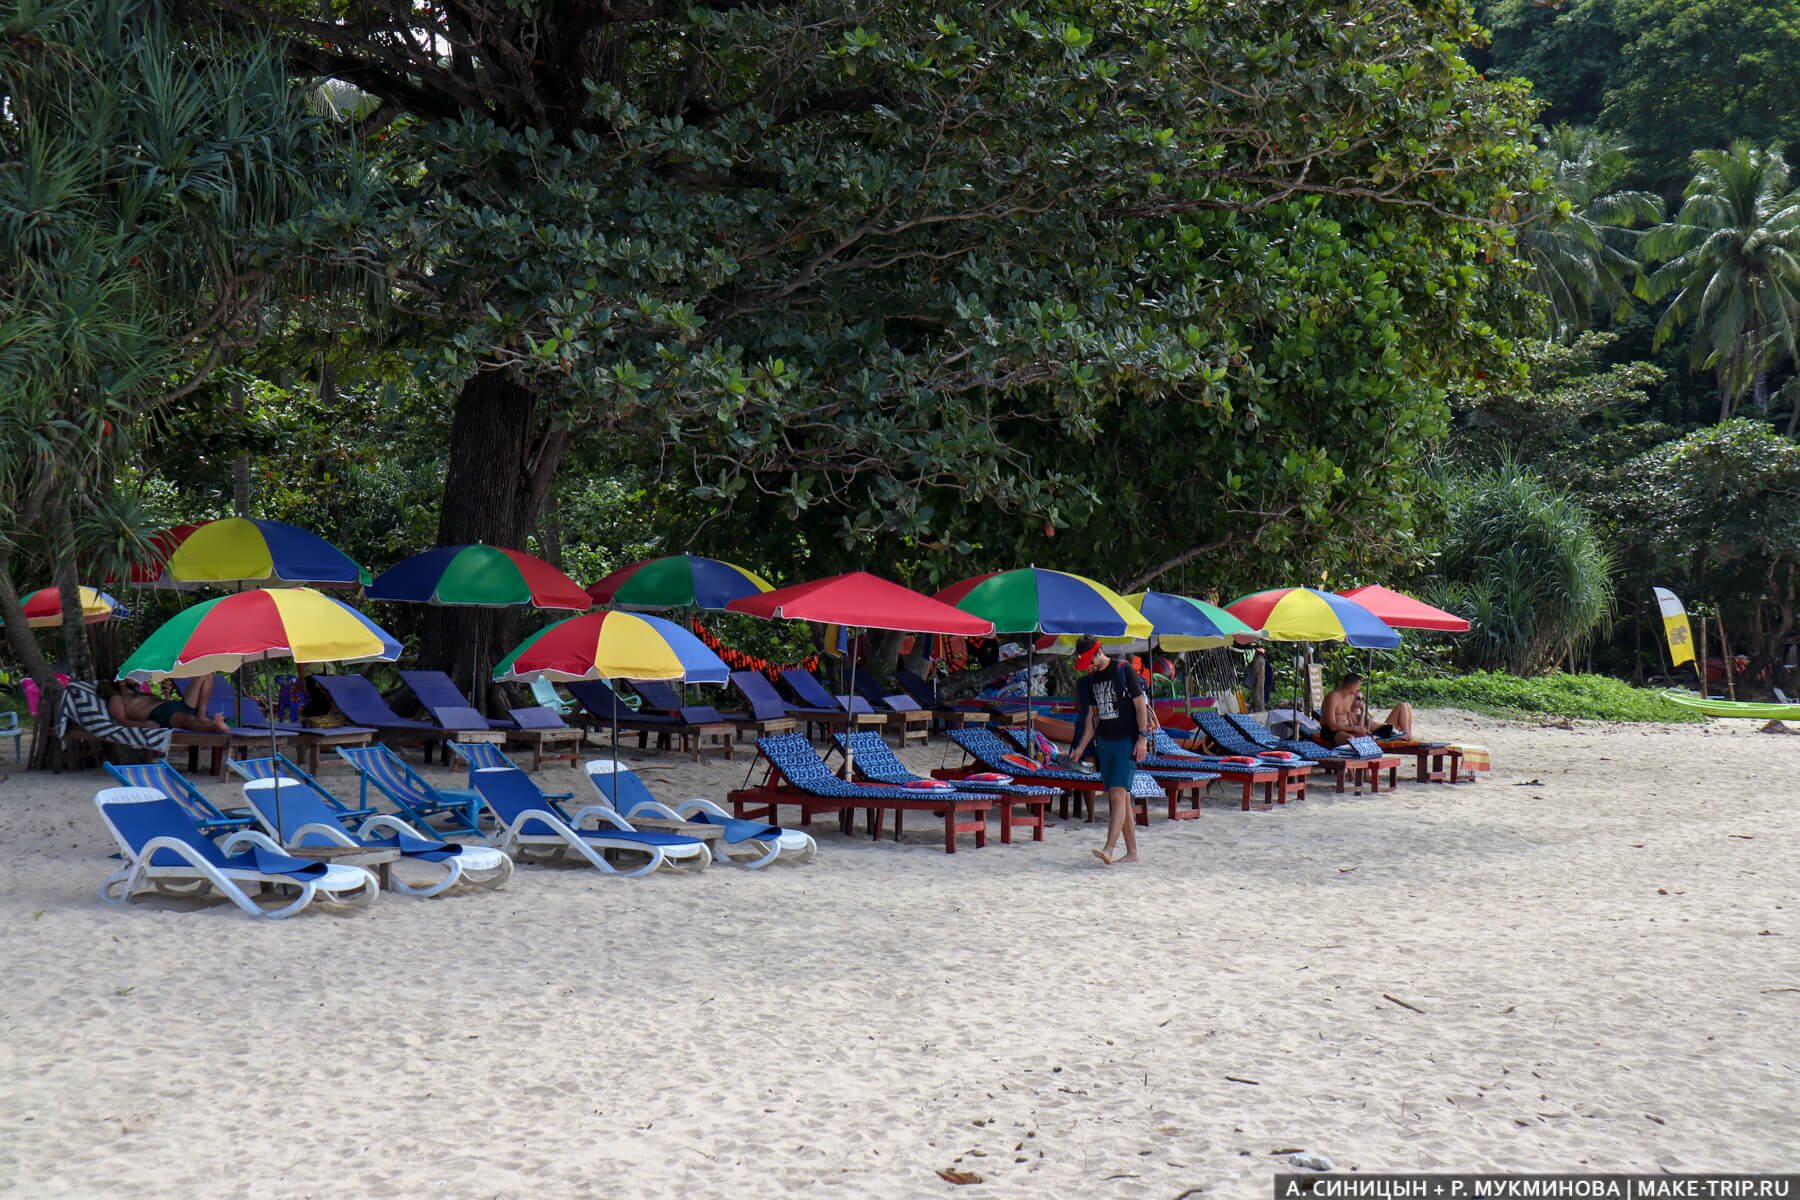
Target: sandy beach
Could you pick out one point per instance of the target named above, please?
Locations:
(1583, 962)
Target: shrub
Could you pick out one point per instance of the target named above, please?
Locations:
(1591, 697)
(1527, 569)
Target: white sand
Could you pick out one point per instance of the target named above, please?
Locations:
(1603, 962)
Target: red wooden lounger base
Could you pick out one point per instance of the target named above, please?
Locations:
(764, 803)
(951, 808)
(1359, 769)
(1037, 808)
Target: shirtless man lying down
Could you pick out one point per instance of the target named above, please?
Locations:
(133, 706)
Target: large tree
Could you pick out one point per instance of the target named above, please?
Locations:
(806, 253)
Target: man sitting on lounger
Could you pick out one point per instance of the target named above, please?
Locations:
(1345, 714)
(135, 707)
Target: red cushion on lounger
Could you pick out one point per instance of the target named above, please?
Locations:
(988, 777)
(1020, 761)
(928, 785)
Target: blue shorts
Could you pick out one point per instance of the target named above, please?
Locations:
(1117, 767)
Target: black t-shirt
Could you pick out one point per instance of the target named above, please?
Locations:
(1109, 693)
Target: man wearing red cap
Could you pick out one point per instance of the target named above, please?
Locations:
(1114, 714)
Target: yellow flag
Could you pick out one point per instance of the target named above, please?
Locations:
(1675, 626)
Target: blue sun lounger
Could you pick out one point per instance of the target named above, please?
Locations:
(281, 764)
(736, 843)
(161, 777)
(477, 755)
(411, 793)
(530, 823)
(295, 817)
(361, 704)
(796, 775)
(876, 763)
(164, 849)
(446, 702)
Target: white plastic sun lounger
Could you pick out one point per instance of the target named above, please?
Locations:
(531, 823)
(749, 844)
(164, 850)
(302, 819)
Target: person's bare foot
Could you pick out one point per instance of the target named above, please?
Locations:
(219, 725)
(1129, 858)
(1103, 857)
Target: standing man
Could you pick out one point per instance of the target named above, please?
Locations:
(1114, 714)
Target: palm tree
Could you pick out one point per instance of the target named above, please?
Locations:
(1578, 243)
(1733, 263)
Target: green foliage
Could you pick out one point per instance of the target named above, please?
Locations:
(1585, 697)
(1696, 74)
(1560, 412)
(1732, 268)
(1577, 238)
(1523, 563)
(811, 259)
(144, 181)
(1716, 515)
(1666, 76)
(1569, 52)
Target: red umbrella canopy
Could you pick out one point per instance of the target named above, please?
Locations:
(1402, 611)
(864, 601)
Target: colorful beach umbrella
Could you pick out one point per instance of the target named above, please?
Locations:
(1307, 615)
(1035, 600)
(245, 627)
(612, 645)
(1184, 623)
(677, 581)
(155, 572)
(255, 626)
(43, 608)
(245, 550)
(1403, 611)
(864, 601)
(478, 576)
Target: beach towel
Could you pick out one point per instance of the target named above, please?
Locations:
(1475, 758)
(83, 708)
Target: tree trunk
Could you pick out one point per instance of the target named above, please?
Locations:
(503, 456)
(240, 467)
(76, 651)
(884, 652)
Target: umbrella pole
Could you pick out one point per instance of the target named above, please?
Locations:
(1030, 709)
(849, 711)
(269, 713)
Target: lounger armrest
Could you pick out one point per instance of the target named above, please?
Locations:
(606, 813)
(333, 833)
(389, 823)
(181, 846)
(238, 842)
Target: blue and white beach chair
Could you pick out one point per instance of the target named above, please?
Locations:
(748, 844)
(161, 777)
(417, 799)
(531, 823)
(297, 817)
(164, 850)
